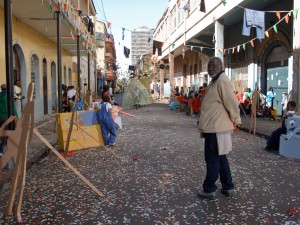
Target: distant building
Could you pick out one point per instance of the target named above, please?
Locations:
(141, 43)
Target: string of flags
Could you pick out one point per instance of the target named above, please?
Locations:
(243, 46)
(68, 8)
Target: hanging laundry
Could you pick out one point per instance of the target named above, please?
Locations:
(157, 45)
(131, 68)
(202, 6)
(123, 35)
(126, 52)
(253, 18)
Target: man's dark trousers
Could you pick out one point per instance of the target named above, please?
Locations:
(215, 164)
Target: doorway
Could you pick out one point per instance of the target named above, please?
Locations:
(277, 74)
(19, 66)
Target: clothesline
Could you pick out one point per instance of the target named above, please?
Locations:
(263, 11)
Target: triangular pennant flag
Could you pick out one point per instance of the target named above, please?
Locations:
(224, 2)
(278, 15)
(108, 25)
(275, 28)
(252, 43)
(202, 6)
(224, 51)
(192, 48)
(51, 7)
(244, 46)
(238, 48)
(173, 45)
(201, 48)
(286, 19)
(295, 13)
(232, 50)
(267, 33)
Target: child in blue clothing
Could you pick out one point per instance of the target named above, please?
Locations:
(104, 117)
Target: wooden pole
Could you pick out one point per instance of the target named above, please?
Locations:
(67, 163)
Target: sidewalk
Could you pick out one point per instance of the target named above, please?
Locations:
(264, 127)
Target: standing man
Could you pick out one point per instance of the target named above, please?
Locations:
(18, 97)
(219, 111)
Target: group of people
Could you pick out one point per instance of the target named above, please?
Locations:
(265, 105)
(187, 95)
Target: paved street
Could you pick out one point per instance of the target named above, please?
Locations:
(157, 178)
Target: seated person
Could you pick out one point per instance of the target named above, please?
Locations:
(273, 113)
(273, 141)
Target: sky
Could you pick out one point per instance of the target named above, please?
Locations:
(129, 14)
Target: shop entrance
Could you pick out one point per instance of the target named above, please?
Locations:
(277, 75)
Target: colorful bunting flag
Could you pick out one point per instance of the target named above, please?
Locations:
(295, 13)
(267, 33)
(244, 47)
(51, 7)
(192, 48)
(252, 43)
(286, 19)
(232, 50)
(108, 25)
(275, 28)
(238, 48)
(224, 2)
(173, 45)
(278, 15)
(201, 48)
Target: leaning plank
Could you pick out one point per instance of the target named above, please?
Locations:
(67, 163)
(70, 129)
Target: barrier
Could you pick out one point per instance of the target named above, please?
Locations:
(289, 143)
(86, 132)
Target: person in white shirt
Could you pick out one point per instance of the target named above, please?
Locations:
(18, 97)
(71, 94)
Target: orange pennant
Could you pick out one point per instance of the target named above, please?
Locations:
(287, 19)
(252, 43)
(278, 15)
(233, 51)
(108, 25)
